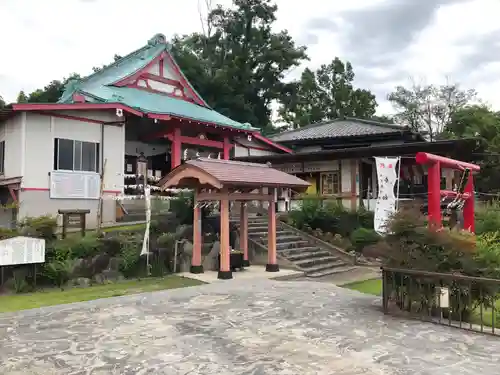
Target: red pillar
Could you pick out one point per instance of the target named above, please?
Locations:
(196, 266)
(244, 233)
(272, 264)
(434, 198)
(225, 256)
(468, 210)
(226, 149)
(176, 148)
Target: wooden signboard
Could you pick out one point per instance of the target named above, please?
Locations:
(73, 219)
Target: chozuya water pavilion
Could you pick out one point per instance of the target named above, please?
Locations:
(226, 181)
(139, 107)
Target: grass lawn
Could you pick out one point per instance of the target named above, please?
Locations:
(51, 297)
(125, 227)
(373, 286)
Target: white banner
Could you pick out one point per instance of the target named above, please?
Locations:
(387, 178)
(147, 199)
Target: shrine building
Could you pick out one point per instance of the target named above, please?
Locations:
(141, 106)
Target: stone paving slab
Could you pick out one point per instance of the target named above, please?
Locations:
(253, 272)
(237, 327)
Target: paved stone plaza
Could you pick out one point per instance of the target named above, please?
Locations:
(237, 327)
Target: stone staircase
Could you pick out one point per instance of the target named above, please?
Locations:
(313, 260)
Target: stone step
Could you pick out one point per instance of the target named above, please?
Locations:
(304, 255)
(290, 245)
(280, 232)
(331, 271)
(324, 266)
(290, 238)
(297, 250)
(257, 229)
(316, 261)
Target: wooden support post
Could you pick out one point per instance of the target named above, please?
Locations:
(226, 149)
(272, 265)
(244, 233)
(225, 255)
(468, 210)
(196, 266)
(434, 197)
(354, 190)
(176, 148)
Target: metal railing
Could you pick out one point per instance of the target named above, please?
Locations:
(465, 302)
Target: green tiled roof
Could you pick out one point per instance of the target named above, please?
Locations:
(99, 88)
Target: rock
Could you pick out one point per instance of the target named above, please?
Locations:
(111, 276)
(99, 278)
(237, 242)
(187, 248)
(100, 263)
(82, 282)
(83, 268)
(114, 264)
(210, 261)
(184, 231)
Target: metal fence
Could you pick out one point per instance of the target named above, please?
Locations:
(470, 303)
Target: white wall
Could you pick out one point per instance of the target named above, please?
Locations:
(38, 145)
(11, 133)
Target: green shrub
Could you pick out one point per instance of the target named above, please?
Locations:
(487, 217)
(60, 250)
(411, 244)
(182, 207)
(86, 247)
(8, 233)
(130, 255)
(166, 240)
(488, 254)
(329, 216)
(20, 284)
(362, 237)
(41, 227)
(59, 272)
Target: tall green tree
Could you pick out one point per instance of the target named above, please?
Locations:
(22, 97)
(238, 63)
(326, 94)
(2, 102)
(428, 108)
(483, 124)
(49, 94)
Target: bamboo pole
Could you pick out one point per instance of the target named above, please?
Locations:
(101, 193)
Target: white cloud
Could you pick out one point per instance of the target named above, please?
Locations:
(42, 41)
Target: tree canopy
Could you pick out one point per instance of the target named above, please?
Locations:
(239, 62)
(428, 108)
(326, 94)
(483, 124)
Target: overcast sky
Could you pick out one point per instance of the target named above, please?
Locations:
(388, 41)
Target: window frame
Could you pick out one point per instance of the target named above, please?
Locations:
(77, 145)
(2, 158)
(338, 185)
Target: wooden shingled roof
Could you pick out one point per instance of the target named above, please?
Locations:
(215, 173)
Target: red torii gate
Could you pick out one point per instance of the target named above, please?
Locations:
(434, 164)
